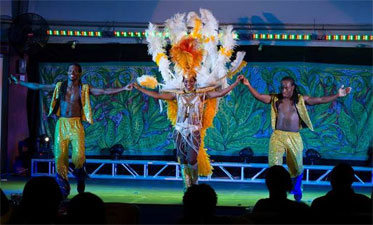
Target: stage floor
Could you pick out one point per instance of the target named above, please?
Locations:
(171, 192)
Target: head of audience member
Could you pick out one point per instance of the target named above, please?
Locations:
(342, 177)
(200, 201)
(40, 202)
(278, 181)
(5, 208)
(86, 208)
(4, 203)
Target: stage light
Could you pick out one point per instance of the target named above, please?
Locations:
(43, 146)
(73, 44)
(260, 47)
(116, 151)
(246, 155)
(255, 36)
(312, 156)
(235, 35)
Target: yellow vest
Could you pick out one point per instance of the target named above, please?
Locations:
(302, 111)
(84, 97)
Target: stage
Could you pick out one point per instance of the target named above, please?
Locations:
(168, 192)
(160, 201)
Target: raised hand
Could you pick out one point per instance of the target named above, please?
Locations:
(240, 78)
(245, 81)
(344, 91)
(14, 79)
(132, 85)
(128, 87)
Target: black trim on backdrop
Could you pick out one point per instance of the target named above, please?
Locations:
(139, 53)
(4, 117)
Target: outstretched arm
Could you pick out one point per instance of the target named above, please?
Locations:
(320, 100)
(107, 91)
(221, 93)
(154, 94)
(261, 97)
(33, 86)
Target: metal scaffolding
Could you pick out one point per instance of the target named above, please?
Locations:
(169, 170)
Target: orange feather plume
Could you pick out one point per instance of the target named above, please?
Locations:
(188, 55)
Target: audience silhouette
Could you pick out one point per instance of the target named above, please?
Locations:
(42, 199)
(40, 202)
(199, 206)
(86, 208)
(278, 208)
(4, 208)
(342, 204)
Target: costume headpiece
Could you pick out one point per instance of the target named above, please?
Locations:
(200, 51)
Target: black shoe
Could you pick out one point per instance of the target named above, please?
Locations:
(80, 175)
(298, 197)
(81, 185)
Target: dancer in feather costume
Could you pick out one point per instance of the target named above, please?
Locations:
(195, 82)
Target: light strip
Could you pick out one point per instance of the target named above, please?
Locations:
(252, 36)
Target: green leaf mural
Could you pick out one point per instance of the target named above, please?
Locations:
(343, 128)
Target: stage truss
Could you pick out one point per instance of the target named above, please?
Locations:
(166, 170)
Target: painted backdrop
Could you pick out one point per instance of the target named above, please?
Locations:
(343, 129)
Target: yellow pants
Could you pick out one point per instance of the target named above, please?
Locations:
(290, 143)
(68, 130)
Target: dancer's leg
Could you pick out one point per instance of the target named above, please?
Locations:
(78, 153)
(61, 153)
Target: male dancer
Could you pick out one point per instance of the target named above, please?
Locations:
(288, 114)
(188, 125)
(71, 103)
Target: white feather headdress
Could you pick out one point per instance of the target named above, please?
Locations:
(212, 70)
